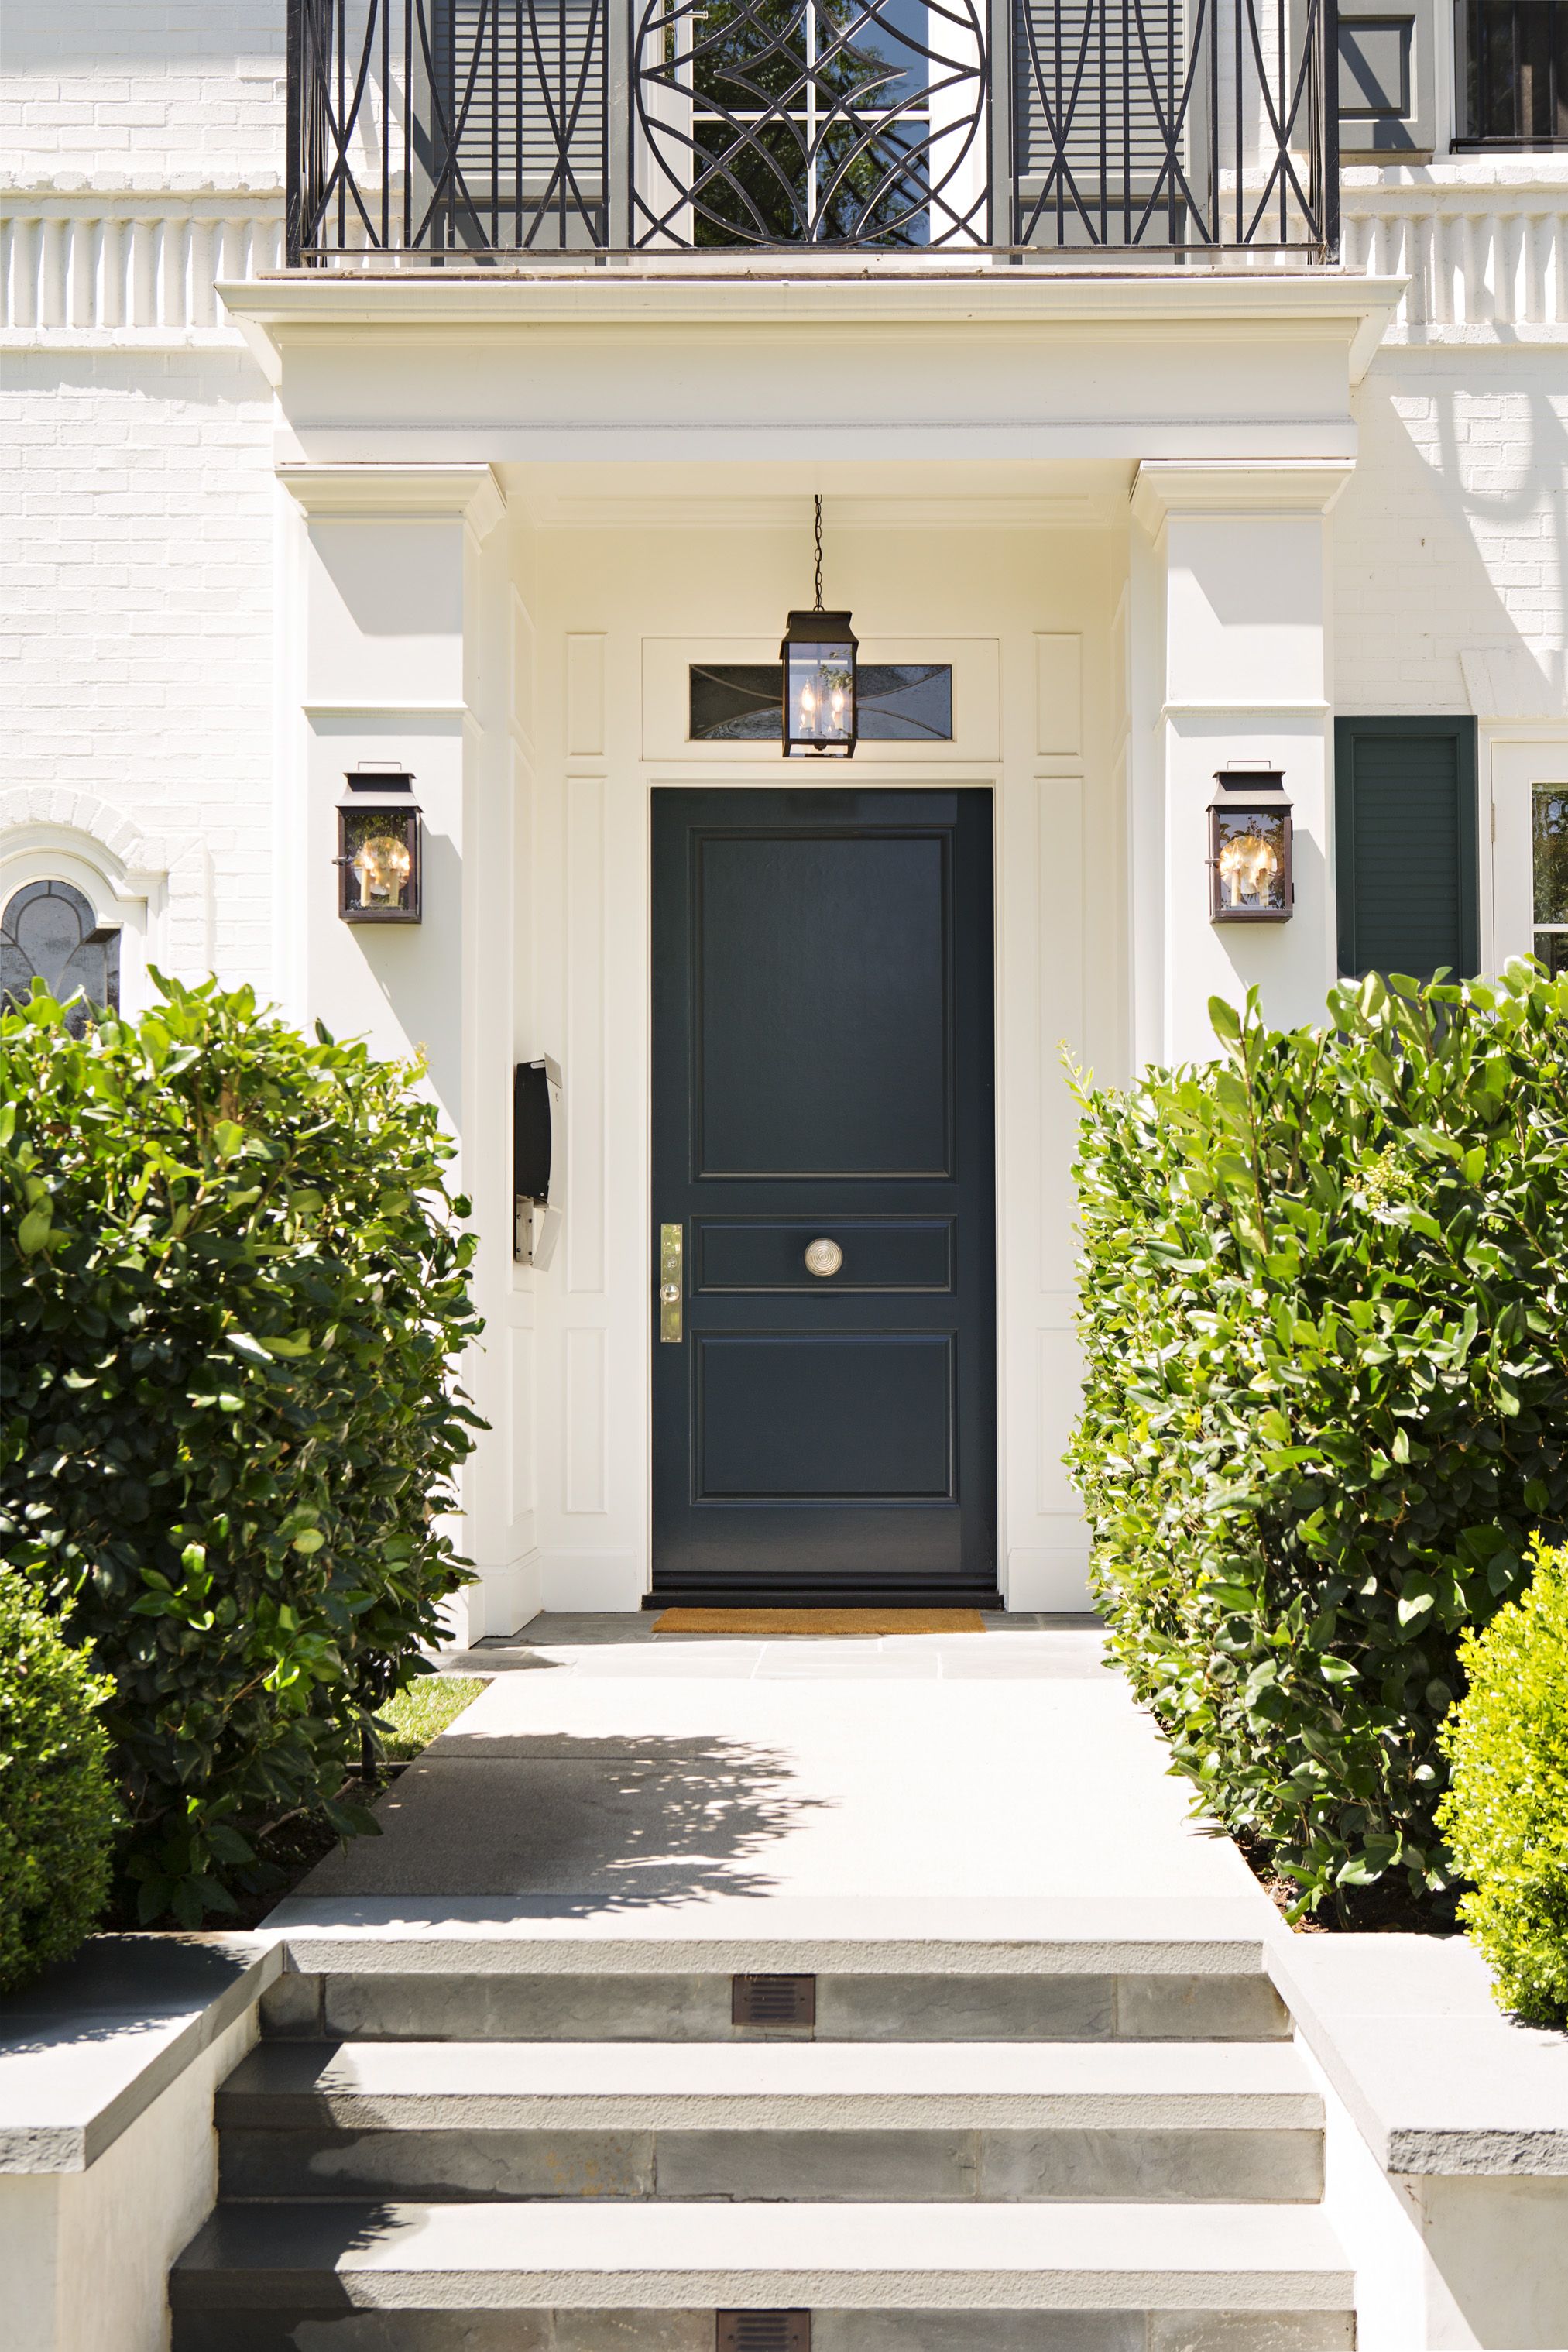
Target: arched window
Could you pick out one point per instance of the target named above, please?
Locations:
(50, 932)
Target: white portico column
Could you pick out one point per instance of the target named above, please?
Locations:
(394, 651)
(1229, 663)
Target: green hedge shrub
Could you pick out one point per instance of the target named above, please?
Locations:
(1324, 1288)
(237, 1287)
(57, 1805)
(1506, 1812)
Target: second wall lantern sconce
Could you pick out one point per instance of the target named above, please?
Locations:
(1250, 864)
(379, 866)
(819, 657)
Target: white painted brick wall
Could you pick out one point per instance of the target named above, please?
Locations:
(143, 87)
(137, 639)
(1451, 538)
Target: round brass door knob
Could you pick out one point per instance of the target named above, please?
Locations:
(823, 1257)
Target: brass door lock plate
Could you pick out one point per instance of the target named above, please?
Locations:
(671, 1282)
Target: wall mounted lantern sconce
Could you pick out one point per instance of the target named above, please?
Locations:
(1249, 866)
(380, 868)
(819, 657)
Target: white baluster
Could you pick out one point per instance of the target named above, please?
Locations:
(111, 273)
(144, 301)
(202, 307)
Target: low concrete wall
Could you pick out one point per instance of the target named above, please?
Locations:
(1447, 2152)
(108, 2154)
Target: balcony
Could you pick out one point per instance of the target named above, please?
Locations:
(504, 133)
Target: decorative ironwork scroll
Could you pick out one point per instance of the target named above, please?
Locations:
(842, 122)
(429, 132)
(1190, 124)
(430, 127)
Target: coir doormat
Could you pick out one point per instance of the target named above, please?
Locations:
(771, 1622)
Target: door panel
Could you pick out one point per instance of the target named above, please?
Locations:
(835, 1061)
(886, 1254)
(823, 1071)
(780, 1414)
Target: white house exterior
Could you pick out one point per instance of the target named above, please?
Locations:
(284, 508)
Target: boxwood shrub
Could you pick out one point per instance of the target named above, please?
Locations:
(236, 1285)
(1506, 1812)
(1324, 1288)
(56, 1804)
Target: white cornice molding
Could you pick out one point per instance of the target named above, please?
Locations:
(118, 192)
(643, 296)
(381, 493)
(1240, 486)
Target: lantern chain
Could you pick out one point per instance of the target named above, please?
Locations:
(819, 506)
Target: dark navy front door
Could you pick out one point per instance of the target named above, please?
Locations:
(822, 1074)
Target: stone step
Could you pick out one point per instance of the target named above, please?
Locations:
(809, 2121)
(1039, 1997)
(652, 2278)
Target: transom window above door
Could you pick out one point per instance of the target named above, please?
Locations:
(743, 702)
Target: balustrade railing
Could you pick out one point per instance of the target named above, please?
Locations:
(427, 133)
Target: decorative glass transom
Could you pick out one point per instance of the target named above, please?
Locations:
(899, 702)
(50, 932)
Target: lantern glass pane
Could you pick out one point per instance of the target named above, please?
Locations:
(380, 861)
(1250, 860)
(821, 696)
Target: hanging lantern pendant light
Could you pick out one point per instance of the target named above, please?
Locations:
(820, 718)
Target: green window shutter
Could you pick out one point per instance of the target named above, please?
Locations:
(1405, 850)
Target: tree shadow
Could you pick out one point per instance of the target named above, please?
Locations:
(613, 1823)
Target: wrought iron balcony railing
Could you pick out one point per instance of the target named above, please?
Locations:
(474, 133)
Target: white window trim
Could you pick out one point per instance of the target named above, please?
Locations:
(1513, 761)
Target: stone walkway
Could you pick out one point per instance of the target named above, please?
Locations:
(952, 1784)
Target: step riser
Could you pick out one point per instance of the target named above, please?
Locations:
(896, 2166)
(832, 2331)
(522, 2007)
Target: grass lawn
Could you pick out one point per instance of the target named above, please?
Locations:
(420, 1713)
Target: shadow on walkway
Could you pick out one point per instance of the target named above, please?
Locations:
(620, 1822)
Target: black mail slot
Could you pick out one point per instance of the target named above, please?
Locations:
(891, 1253)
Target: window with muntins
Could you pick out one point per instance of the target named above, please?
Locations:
(50, 932)
(1549, 875)
(1513, 72)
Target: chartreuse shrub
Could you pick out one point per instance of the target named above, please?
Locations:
(235, 1284)
(1506, 1812)
(56, 1804)
(1324, 1294)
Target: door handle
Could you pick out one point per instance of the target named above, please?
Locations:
(823, 1257)
(672, 1281)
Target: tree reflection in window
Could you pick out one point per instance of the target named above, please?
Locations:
(50, 932)
(809, 123)
(1549, 829)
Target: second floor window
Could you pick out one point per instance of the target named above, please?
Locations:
(1514, 71)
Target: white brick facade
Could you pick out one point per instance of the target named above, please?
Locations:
(138, 638)
(1167, 522)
